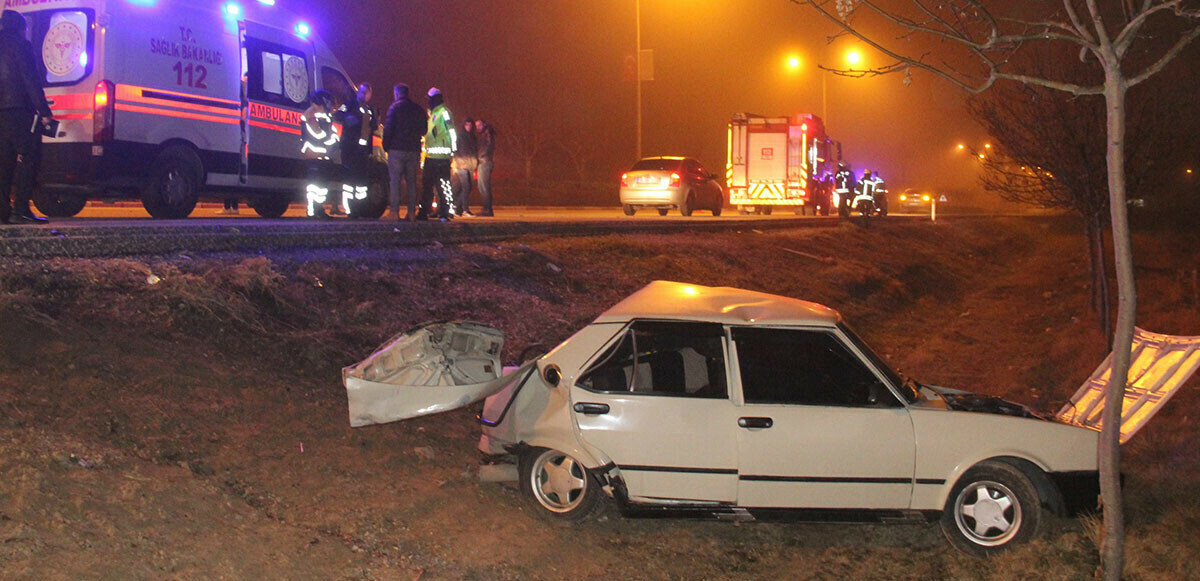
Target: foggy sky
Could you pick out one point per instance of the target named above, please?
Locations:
(557, 66)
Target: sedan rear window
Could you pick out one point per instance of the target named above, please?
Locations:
(663, 358)
(657, 165)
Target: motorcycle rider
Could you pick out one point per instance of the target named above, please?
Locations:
(441, 140)
(317, 142)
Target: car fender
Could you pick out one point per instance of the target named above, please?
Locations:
(942, 459)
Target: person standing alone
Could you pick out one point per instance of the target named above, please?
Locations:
(440, 142)
(485, 141)
(465, 163)
(402, 132)
(24, 112)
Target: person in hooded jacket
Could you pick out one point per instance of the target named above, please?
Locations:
(441, 139)
(465, 164)
(24, 112)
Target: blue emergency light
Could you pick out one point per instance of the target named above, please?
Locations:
(232, 9)
(303, 29)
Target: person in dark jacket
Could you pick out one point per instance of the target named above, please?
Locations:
(358, 127)
(402, 134)
(485, 139)
(24, 112)
(465, 163)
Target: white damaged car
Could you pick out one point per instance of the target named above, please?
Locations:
(699, 401)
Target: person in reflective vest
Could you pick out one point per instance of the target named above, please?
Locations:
(358, 126)
(317, 143)
(843, 185)
(441, 140)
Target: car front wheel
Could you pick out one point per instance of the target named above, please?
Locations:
(559, 487)
(992, 507)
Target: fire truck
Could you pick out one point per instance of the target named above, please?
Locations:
(784, 162)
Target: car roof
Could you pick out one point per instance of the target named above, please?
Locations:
(670, 157)
(676, 300)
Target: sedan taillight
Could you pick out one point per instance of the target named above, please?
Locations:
(675, 181)
(625, 180)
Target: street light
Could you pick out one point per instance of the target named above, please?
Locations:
(854, 58)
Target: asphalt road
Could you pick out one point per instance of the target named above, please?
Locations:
(125, 229)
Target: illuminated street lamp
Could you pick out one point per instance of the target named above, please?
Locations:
(793, 63)
(854, 58)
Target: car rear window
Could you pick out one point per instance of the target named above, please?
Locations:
(657, 164)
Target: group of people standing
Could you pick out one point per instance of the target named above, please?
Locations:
(449, 158)
(453, 159)
(24, 117)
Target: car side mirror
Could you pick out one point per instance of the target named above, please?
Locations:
(552, 375)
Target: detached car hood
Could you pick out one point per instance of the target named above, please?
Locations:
(434, 368)
(965, 401)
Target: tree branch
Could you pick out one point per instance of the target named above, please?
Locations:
(1170, 55)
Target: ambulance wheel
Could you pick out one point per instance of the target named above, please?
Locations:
(58, 204)
(270, 206)
(175, 182)
(689, 202)
(628, 209)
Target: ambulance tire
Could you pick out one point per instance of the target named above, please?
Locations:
(58, 204)
(175, 182)
(270, 206)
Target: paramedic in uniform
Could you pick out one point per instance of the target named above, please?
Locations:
(317, 142)
(440, 142)
(23, 112)
(358, 127)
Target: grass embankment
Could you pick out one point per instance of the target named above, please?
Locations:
(183, 417)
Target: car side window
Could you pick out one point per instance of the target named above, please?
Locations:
(791, 366)
(680, 359)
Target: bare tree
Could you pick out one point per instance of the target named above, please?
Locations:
(979, 44)
(528, 138)
(580, 154)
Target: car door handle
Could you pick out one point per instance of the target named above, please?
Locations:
(755, 422)
(592, 409)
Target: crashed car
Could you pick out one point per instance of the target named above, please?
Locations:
(696, 401)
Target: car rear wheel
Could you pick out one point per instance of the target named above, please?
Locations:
(558, 486)
(629, 209)
(716, 210)
(663, 211)
(689, 202)
(992, 507)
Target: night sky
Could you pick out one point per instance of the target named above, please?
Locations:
(557, 66)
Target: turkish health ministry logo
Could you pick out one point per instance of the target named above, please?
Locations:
(62, 48)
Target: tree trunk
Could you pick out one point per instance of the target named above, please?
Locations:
(528, 169)
(1099, 271)
(1112, 547)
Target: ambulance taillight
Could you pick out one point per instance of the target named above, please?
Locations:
(102, 113)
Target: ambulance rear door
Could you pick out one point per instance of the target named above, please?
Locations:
(279, 81)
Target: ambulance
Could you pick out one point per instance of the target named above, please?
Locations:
(780, 162)
(168, 100)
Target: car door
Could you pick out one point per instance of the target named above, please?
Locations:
(709, 192)
(817, 427)
(656, 402)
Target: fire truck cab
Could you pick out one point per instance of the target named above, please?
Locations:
(780, 162)
(165, 100)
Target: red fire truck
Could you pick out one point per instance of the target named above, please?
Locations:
(780, 162)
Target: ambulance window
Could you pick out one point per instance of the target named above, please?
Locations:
(277, 74)
(337, 83)
(64, 41)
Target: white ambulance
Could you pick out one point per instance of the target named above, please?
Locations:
(168, 100)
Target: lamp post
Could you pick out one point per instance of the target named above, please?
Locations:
(637, 81)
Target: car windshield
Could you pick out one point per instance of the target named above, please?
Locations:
(657, 165)
(908, 388)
